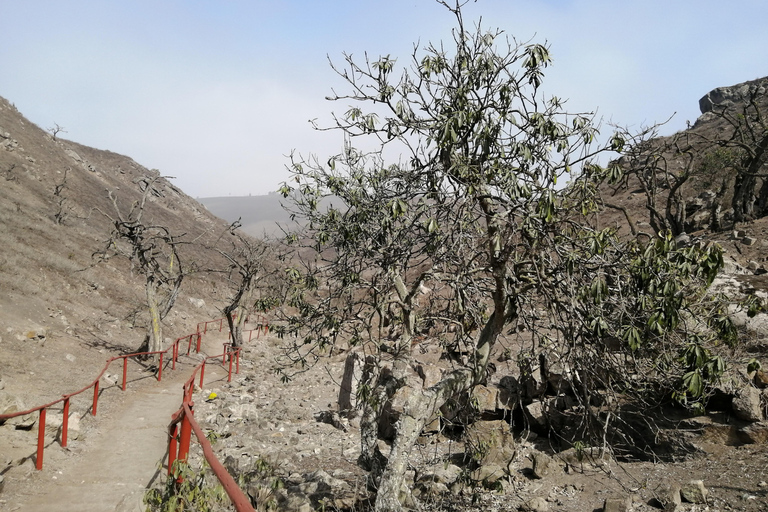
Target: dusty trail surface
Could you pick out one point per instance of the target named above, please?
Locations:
(123, 451)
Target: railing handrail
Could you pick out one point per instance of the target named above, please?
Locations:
(236, 495)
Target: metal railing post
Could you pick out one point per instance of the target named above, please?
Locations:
(95, 398)
(40, 440)
(65, 423)
(125, 372)
(160, 369)
(172, 447)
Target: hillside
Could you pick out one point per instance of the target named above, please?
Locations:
(56, 297)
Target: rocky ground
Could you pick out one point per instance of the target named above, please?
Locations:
(296, 430)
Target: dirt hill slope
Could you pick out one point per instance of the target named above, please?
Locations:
(56, 299)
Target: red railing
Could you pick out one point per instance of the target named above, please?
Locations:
(184, 415)
(180, 437)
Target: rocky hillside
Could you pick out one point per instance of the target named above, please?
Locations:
(55, 214)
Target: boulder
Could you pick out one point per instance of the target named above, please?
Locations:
(747, 404)
(441, 473)
(509, 393)
(754, 433)
(694, 492)
(668, 497)
(485, 398)
(535, 505)
(542, 464)
(490, 442)
(617, 504)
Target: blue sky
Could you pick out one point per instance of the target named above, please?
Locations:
(217, 92)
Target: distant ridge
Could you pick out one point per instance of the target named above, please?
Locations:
(259, 215)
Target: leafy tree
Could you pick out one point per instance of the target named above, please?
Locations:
(153, 252)
(469, 236)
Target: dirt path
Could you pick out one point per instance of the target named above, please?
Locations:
(120, 459)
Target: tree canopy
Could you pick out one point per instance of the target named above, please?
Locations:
(470, 214)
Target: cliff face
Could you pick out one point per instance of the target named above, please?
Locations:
(732, 95)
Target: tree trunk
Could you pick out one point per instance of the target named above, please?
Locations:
(155, 327)
(421, 406)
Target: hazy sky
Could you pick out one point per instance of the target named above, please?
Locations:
(217, 92)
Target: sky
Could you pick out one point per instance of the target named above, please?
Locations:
(217, 93)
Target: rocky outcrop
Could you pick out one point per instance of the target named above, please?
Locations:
(726, 96)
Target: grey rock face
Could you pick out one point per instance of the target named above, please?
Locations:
(727, 95)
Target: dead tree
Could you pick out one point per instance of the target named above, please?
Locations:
(153, 251)
(247, 265)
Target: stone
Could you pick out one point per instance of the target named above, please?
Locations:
(488, 474)
(754, 433)
(748, 240)
(55, 420)
(441, 473)
(485, 398)
(694, 492)
(430, 375)
(490, 442)
(747, 404)
(198, 303)
(617, 505)
(668, 497)
(535, 505)
(536, 415)
(542, 464)
(70, 358)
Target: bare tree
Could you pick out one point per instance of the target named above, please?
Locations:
(153, 252)
(56, 129)
(249, 264)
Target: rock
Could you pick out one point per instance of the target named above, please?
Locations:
(430, 375)
(10, 404)
(490, 442)
(668, 497)
(694, 492)
(488, 474)
(70, 358)
(536, 414)
(485, 398)
(509, 393)
(535, 505)
(748, 240)
(747, 405)
(617, 505)
(441, 473)
(591, 457)
(542, 464)
(725, 96)
(198, 303)
(754, 433)
(55, 420)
